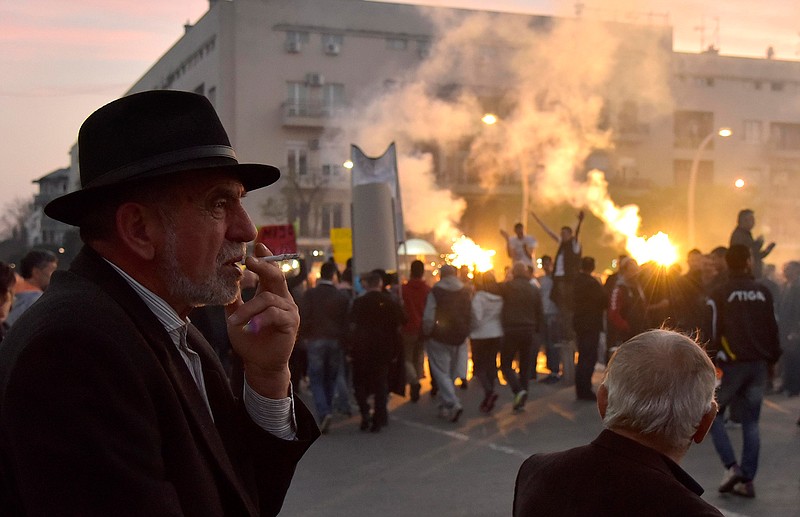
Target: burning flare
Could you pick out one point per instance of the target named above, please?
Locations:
(623, 223)
(467, 253)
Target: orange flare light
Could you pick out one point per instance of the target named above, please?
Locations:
(467, 253)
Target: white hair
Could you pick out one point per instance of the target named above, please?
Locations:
(659, 383)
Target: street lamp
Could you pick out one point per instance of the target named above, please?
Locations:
(723, 132)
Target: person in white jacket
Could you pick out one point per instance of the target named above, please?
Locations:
(486, 335)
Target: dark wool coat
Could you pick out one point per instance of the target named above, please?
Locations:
(611, 477)
(100, 416)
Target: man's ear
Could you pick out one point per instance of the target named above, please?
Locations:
(705, 423)
(139, 228)
(602, 400)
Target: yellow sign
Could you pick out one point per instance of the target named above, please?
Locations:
(342, 244)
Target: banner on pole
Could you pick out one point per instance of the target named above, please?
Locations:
(382, 169)
(342, 244)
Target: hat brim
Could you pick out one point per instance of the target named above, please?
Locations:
(70, 208)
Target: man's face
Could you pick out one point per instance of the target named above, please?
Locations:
(566, 234)
(518, 230)
(791, 272)
(748, 221)
(40, 276)
(547, 266)
(695, 261)
(204, 240)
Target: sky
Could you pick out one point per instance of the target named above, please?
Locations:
(62, 60)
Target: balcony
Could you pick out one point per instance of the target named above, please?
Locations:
(309, 114)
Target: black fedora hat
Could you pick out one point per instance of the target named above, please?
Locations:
(148, 135)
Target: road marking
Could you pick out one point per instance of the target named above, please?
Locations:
(462, 437)
(728, 513)
(775, 406)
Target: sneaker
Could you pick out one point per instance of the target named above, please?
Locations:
(490, 402)
(519, 399)
(455, 413)
(744, 489)
(732, 476)
(325, 424)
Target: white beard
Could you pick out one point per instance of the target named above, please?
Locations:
(218, 289)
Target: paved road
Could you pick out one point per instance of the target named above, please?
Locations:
(423, 466)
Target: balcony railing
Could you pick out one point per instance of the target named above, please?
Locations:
(309, 114)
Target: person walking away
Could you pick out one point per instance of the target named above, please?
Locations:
(789, 325)
(487, 335)
(551, 328)
(627, 306)
(415, 292)
(446, 325)
(745, 344)
(8, 281)
(323, 324)
(375, 321)
(36, 268)
(522, 318)
(590, 302)
(656, 399)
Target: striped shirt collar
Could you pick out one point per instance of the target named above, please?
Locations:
(173, 324)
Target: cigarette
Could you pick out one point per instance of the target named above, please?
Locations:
(278, 258)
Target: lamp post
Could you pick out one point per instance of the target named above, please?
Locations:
(690, 214)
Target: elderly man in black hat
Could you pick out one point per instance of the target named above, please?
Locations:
(111, 402)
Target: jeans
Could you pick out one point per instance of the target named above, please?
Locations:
(484, 361)
(414, 355)
(324, 360)
(587, 357)
(517, 342)
(443, 362)
(552, 336)
(744, 381)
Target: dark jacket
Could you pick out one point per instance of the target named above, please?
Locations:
(522, 305)
(611, 477)
(448, 311)
(100, 416)
(742, 322)
(626, 311)
(323, 312)
(590, 302)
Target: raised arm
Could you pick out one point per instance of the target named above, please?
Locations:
(578, 226)
(547, 230)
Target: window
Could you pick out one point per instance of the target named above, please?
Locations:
(785, 137)
(297, 98)
(297, 160)
(330, 170)
(295, 41)
(776, 86)
(330, 217)
(332, 97)
(332, 44)
(752, 131)
(691, 127)
(396, 43)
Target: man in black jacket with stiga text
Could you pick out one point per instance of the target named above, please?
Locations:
(745, 345)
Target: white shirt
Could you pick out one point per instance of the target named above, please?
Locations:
(517, 247)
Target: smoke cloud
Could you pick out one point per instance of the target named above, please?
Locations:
(553, 83)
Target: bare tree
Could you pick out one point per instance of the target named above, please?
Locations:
(300, 193)
(13, 218)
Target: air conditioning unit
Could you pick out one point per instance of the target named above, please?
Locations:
(293, 46)
(315, 79)
(332, 48)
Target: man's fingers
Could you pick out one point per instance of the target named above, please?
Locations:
(260, 303)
